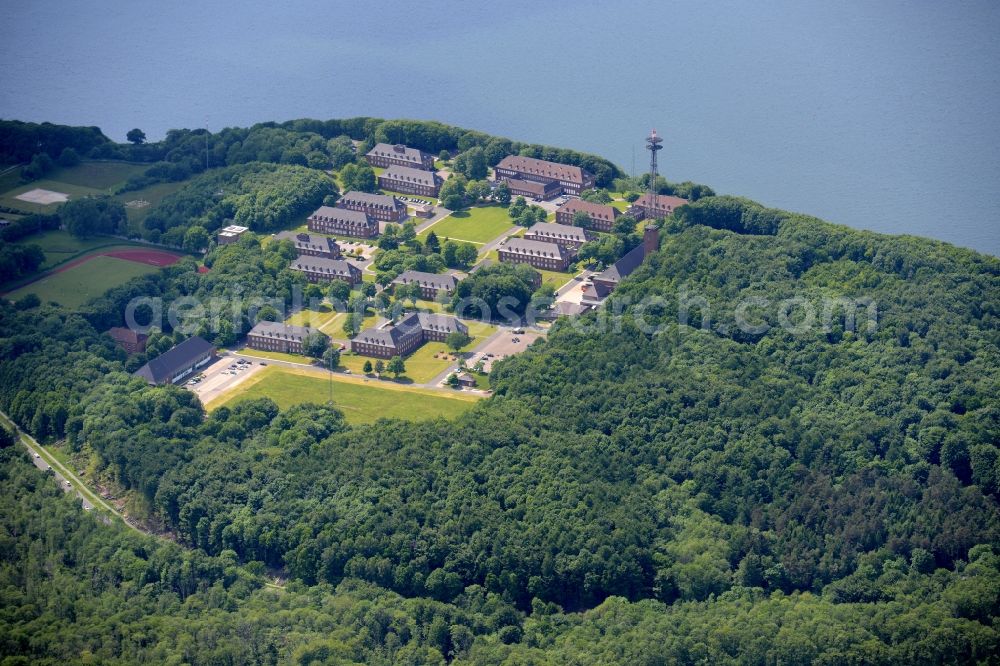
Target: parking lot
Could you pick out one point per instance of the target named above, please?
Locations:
(221, 376)
(502, 346)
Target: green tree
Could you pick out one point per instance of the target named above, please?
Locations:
(517, 208)
(582, 219)
(315, 344)
(449, 253)
(452, 193)
(358, 177)
(339, 291)
(136, 136)
(367, 368)
(331, 357)
(68, 157)
(472, 164)
(466, 254)
(352, 324)
(379, 367)
(457, 339)
(432, 243)
(91, 216)
(196, 239)
(501, 194)
(396, 366)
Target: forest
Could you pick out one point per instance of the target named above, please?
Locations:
(651, 484)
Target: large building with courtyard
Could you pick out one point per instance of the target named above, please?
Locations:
(385, 155)
(571, 179)
(344, 222)
(311, 245)
(320, 269)
(431, 284)
(401, 338)
(410, 181)
(278, 337)
(568, 237)
(602, 216)
(380, 206)
(644, 208)
(540, 254)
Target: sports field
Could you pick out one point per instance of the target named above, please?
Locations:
(59, 245)
(77, 284)
(361, 401)
(475, 225)
(74, 182)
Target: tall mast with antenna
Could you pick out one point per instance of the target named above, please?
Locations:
(653, 145)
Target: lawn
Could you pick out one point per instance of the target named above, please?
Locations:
(9, 199)
(59, 245)
(154, 194)
(621, 205)
(98, 175)
(275, 356)
(360, 400)
(475, 225)
(555, 278)
(77, 285)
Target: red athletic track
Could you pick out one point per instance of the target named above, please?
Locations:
(140, 256)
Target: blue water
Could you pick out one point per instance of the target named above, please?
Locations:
(880, 115)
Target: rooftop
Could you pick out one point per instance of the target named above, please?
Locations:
(536, 167)
(174, 360)
(555, 229)
(271, 329)
(531, 247)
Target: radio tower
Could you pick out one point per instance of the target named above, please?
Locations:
(653, 145)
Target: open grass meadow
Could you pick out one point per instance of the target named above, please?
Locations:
(77, 285)
(475, 225)
(10, 200)
(77, 181)
(59, 245)
(361, 401)
(98, 175)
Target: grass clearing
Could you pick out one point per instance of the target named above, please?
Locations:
(98, 175)
(10, 200)
(360, 400)
(154, 194)
(475, 225)
(621, 205)
(275, 356)
(60, 245)
(77, 285)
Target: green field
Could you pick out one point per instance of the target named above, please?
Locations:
(361, 401)
(154, 194)
(98, 175)
(59, 245)
(621, 205)
(555, 278)
(475, 225)
(74, 191)
(77, 285)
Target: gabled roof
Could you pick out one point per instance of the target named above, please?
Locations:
(397, 152)
(624, 266)
(531, 247)
(436, 280)
(437, 322)
(556, 230)
(410, 175)
(536, 167)
(595, 210)
(324, 265)
(303, 240)
(174, 360)
(368, 199)
(355, 217)
(664, 202)
(279, 331)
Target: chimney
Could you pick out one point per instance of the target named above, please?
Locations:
(650, 240)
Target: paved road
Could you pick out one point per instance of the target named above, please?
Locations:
(68, 481)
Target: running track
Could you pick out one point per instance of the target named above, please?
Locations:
(142, 256)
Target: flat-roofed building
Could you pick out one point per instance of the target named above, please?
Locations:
(410, 181)
(177, 362)
(567, 237)
(320, 269)
(401, 338)
(642, 208)
(386, 155)
(380, 206)
(602, 216)
(431, 284)
(571, 179)
(278, 337)
(340, 221)
(311, 245)
(230, 234)
(544, 255)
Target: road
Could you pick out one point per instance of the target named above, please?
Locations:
(68, 481)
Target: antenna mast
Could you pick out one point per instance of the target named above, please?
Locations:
(653, 146)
